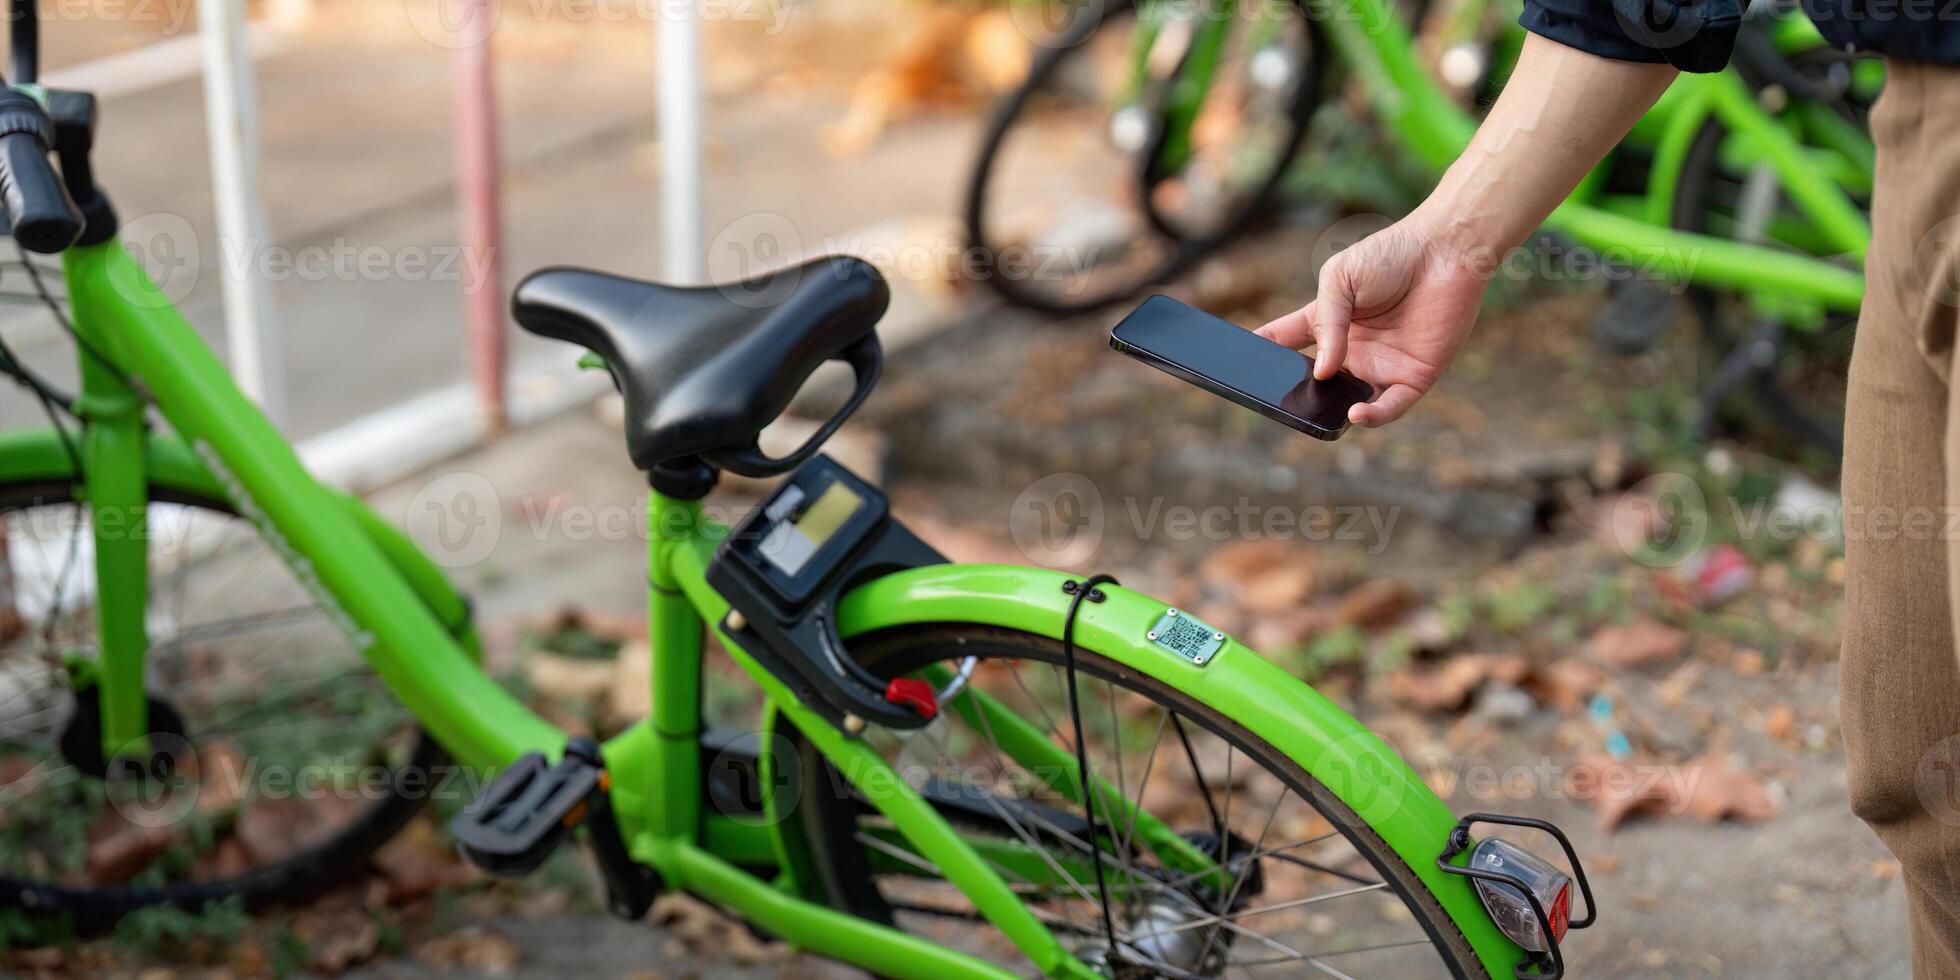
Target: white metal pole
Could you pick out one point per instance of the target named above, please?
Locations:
(678, 47)
(231, 121)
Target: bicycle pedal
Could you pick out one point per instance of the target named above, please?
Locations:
(526, 812)
(532, 806)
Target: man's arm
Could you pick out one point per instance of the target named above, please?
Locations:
(1562, 110)
(1395, 308)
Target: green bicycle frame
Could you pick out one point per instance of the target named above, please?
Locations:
(1375, 46)
(412, 626)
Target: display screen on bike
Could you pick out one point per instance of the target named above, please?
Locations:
(803, 526)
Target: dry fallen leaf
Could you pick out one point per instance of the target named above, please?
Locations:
(1674, 689)
(472, 948)
(119, 848)
(1706, 787)
(1779, 721)
(1448, 687)
(1567, 683)
(1617, 790)
(1288, 630)
(1374, 604)
(1749, 663)
(1262, 575)
(339, 936)
(414, 863)
(1713, 790)
(275, 826)
(703, 929)
(1643, 641)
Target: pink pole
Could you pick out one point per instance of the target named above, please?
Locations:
(478, 202)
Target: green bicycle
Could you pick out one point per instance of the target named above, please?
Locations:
(1750, 186)
(958, 771)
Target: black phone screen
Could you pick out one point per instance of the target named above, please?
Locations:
(1238, 364)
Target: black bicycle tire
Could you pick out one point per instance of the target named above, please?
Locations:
(845, 870)
(1777, 404)
(294, 878)
(1184, 254)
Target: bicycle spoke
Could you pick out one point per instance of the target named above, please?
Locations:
(1314, 910)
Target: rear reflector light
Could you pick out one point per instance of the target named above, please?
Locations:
(1508, 906)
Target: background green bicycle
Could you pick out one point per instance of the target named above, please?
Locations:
(1749, 187)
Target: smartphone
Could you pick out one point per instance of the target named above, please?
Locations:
(1237, 364)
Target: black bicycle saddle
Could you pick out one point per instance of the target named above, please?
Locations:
(705, 368)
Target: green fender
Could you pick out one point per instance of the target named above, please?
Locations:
(168, 461)
(1349, 760)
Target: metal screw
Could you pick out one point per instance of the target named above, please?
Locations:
(1198, 659)
(1217, 636)
(736, 621)
(853, 725)
(1150, 635)
(1172, 614)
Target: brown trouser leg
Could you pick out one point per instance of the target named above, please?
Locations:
(1901, 675)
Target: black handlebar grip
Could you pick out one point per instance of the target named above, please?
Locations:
(38, 209)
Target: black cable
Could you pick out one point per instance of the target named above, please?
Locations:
(54, 307)
(12, 366)
(25, 32)
(1081, 591)
(53, 401)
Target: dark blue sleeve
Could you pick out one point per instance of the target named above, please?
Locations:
(1692, 35)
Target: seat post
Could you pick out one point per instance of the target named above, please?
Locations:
(687, 478)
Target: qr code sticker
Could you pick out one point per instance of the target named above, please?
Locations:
(1187, 637)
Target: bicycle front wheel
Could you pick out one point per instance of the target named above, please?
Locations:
(277, 761)
(1312, 888)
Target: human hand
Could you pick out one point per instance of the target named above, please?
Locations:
(1393, 309)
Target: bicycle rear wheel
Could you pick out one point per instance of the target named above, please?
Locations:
(1314, 888)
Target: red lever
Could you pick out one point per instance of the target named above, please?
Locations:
(915, 694)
